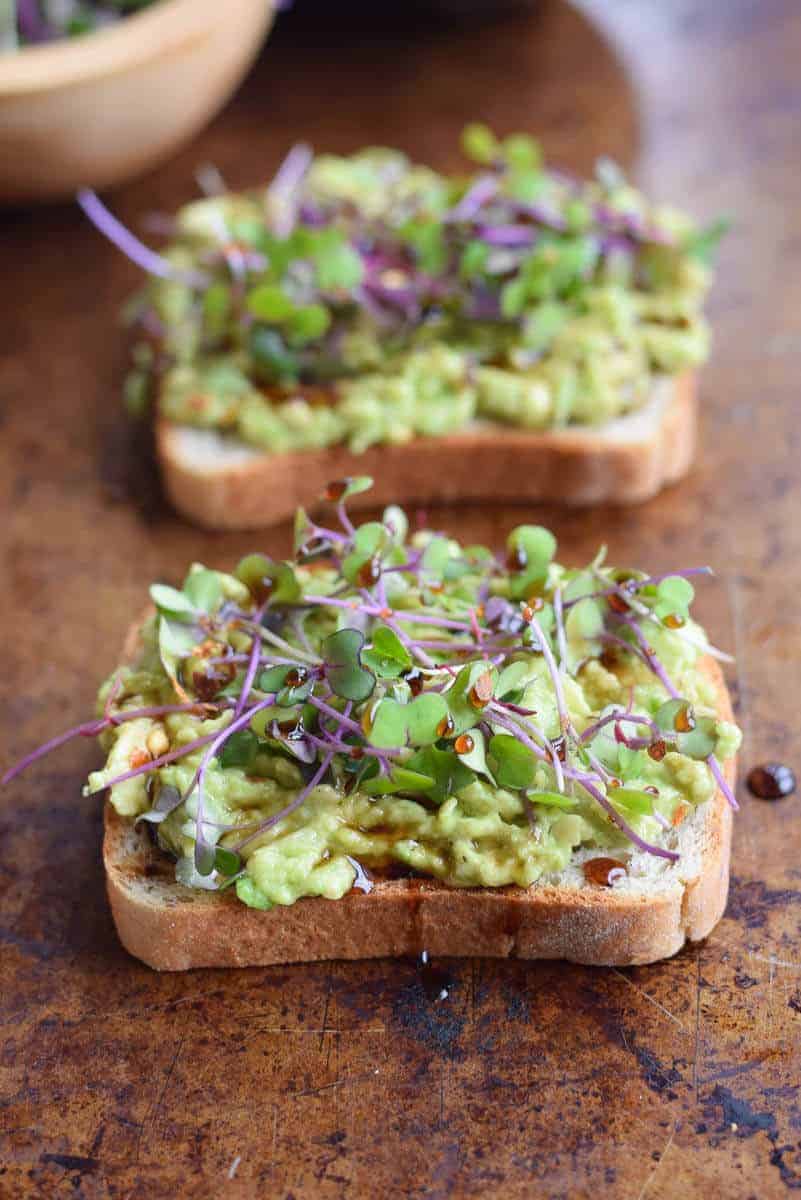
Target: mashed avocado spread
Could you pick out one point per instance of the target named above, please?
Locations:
(369, 300)
(386, 702)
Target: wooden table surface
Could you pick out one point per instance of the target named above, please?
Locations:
(346, 1080)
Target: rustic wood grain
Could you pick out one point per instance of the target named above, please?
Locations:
(346, 1080)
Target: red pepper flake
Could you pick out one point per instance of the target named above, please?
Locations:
(481, 692)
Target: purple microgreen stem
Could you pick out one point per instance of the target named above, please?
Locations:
(561, 639)
(619, 717)
(649, 655)
(564, 716)
(250, 675)
(93, 728)
(138, 252)
(722, 782)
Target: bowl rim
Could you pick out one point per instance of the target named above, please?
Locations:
(163, 27)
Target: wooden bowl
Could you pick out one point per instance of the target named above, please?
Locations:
(97, 109)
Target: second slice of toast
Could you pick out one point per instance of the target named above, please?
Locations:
(220, 482)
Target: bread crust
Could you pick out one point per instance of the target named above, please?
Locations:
(624, 462)
(174, 928)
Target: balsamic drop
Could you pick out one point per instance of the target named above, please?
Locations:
(597, 870)
(771, 781)
(436, 982)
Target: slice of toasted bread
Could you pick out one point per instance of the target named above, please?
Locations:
(221, 483)
(644, 917)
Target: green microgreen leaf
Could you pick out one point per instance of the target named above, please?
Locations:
(346, 675)
(288, 697)
(423, 716)
(301, 529)
(269, 302)
(476, 757)
(204, 589)
(637, 802)
(273, 361)
(371, 540)
(674, 595)
(480, 144)
(630, 762)
(388, 724)
(272, 680)
(204, 856)
(354, 486)
(511, 680)
(583, 623)
(525, 184)
(239, 750)
(171, 602)
(552, 799)
(520, 150)
(464, 712)
(387, 657)
(514, 295)
(308, 323)
(227, 862)
(415, 724)
(473, 259)
(578, 215)
(700, 742)
(268, 581)
(436, 556)
(444, 767)
(533, 548)
(400, 780)
(512, 763)
(338, 265)
(176, 641)
(704, 242)
(427, 239)
(216, 308)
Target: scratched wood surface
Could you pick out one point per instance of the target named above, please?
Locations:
(346, 1080)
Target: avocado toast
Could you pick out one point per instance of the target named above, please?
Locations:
(532, 334)
(395, 743)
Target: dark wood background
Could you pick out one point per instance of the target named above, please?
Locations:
(345, 1080)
